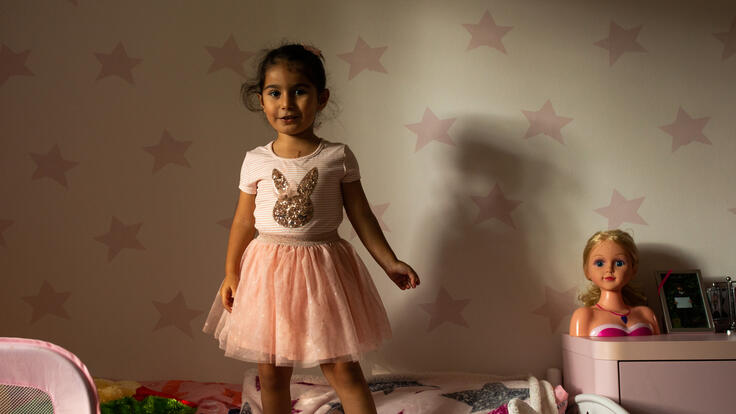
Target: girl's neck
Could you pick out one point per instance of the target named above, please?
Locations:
(306, 135)
(613, 300)
(290, 146)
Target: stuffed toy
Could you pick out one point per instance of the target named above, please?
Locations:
(114, 390)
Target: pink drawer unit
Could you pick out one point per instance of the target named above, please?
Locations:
(674, 373)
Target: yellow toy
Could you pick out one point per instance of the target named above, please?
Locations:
(108, 390)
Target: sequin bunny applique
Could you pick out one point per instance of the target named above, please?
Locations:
(294, 208)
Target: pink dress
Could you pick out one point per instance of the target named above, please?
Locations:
(304, 295)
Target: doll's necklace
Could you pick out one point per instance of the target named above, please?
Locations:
(623, 316)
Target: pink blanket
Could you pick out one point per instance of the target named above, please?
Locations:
(215, 397)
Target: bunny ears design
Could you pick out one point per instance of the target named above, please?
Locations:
(305, 188)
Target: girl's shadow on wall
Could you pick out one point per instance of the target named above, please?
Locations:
(482, 258)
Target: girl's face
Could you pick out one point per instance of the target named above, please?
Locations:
(609, 266)
(290, 101)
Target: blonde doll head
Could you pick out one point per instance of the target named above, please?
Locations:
(591, 296)
(617, 236)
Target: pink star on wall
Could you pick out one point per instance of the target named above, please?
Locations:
(487, 33)
(364, 57)
(685, 130)
(620, 41)
(47, 302)
(117, 63)
(378, 211)
(229, 56)
(445, 309)
(176, 313)
(13, 64)
(621, 210)
(52, 165)
(496, 205)
(431, 128)
(557, 307)
(4, 224)
(168, 151)
(545, 121)
(120, 237)
(729, 41)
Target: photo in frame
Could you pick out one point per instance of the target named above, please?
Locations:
(684, 302)
(721, 307)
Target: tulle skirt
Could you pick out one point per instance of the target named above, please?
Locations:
(300, 303)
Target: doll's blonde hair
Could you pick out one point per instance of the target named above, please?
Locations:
(631, 296)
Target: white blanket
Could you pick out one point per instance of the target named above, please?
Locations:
(420, 394)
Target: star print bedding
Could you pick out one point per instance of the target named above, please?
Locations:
(420, 394)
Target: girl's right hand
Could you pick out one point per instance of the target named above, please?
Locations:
(227, 292)
(402, 274)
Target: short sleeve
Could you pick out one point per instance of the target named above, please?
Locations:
(248, 183)
(350, 165)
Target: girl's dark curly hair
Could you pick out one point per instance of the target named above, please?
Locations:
(308, 60)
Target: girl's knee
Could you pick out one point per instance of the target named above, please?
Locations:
(347, 374)
(273, 377)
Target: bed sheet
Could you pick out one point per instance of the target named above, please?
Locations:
(444, 393)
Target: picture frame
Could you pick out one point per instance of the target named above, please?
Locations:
(722, 299)
(684, 302)
(719, 300)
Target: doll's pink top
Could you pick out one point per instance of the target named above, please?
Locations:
(609, 330)
(335, 164)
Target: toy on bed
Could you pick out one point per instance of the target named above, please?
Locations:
(612, 306)
(168, 397)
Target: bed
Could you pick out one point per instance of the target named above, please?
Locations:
(438, 393)
(44, 378)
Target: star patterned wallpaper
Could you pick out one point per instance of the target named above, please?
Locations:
(493, 136)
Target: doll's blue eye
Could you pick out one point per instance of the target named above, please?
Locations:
(300, 92)
(274, 93)
(619, 263)
(598, 263)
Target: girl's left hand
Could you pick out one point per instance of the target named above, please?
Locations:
(403, 275)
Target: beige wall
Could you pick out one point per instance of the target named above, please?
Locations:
(498, 281)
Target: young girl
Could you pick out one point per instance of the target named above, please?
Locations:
(297, 294)
(612, 307)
